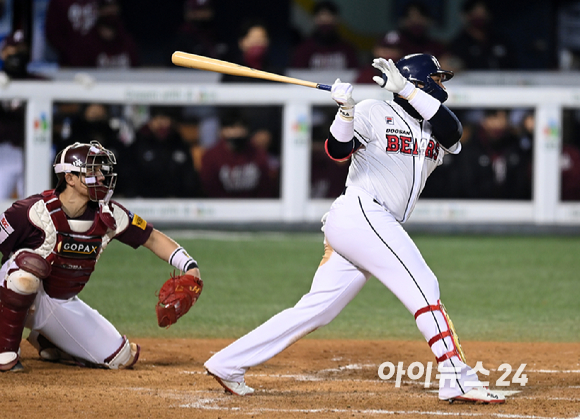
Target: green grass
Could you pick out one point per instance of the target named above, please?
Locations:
(495, 288)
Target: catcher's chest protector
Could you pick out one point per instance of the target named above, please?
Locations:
(75, 254)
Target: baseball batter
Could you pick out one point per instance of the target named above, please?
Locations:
(393, 146)
(50, 244)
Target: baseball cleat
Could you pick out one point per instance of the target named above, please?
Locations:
(17, 367)
(233, 387)
(479, 395)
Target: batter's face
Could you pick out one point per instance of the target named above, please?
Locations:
(438, 78)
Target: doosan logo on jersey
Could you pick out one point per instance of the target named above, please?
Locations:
(397, 131)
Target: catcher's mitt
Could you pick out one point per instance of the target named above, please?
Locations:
(176, 297)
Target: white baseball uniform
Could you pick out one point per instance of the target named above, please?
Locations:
(364, 238)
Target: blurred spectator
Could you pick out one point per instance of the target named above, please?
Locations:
(198, 33)
(263, 139)
(106, 45)
(252, 51)
(67, 22)
(159, 163)
(568, 27)
(570, 167)
(494, 165)
(94, 122)
(478, 46)
(414, 31)
(387, 47)
(234, 167)
(15, 54)
(12, 114)
(153, 24)
(325, 49)
(327, 176)
(570, 156)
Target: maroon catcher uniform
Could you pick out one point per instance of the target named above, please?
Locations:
(51, 243)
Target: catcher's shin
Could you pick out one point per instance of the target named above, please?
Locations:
(176, 297)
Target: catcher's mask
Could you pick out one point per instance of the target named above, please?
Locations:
(92, 161)
(418, 69)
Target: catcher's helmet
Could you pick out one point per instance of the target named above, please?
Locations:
(91, 160)
(418, 68)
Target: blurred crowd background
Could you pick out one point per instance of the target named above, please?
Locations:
(229, 152)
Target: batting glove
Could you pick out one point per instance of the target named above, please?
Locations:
(341, 93)
(392, 79)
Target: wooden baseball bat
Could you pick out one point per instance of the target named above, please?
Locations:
(184, 59)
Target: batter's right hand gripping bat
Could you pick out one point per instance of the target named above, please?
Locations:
(184, 59)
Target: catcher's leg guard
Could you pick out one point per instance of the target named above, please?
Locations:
(17, 295)
(13, 310)
(124, 357)
(437, 327)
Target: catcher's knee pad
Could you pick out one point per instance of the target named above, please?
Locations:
(445, 329)
(25, 272)
(124, 357)
(22, 282)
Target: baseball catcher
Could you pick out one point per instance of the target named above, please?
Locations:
(51, 243)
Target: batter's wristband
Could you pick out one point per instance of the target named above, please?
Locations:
(342, 129)
(181, 260)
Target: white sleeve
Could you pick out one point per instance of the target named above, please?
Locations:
(425, 104)
(342, 130)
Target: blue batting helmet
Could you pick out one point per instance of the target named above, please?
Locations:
(418, 68)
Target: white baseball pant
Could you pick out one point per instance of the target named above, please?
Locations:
(367, 240)
(74, 327)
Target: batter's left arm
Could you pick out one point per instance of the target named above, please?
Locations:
(446, 127)
(340, 151)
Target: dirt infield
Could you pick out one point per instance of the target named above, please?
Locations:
(313, 378)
